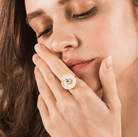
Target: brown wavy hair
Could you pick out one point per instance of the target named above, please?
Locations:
(19, 116)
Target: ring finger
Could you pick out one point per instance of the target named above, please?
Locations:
(52, 81)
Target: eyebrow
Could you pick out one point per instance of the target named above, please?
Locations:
(62, 2)
(33, 15)
(39, 12)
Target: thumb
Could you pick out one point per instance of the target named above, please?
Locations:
(107, 77)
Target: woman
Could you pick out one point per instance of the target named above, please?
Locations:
(92, 44)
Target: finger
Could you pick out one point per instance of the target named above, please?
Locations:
(44, 90)
(58, 67)
(107, 77)
(52, 81)
(44, 113)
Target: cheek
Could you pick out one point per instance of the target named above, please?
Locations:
(116, 37)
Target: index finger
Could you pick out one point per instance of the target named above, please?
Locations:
(56, 65)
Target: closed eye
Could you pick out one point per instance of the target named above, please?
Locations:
(86, 14)
(46, 32)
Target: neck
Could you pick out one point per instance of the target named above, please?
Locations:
(127, 86)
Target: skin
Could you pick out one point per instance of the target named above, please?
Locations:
(76, 113)
(111, 31)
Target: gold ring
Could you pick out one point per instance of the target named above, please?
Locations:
(68, 81)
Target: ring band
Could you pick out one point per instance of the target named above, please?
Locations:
(68, 81)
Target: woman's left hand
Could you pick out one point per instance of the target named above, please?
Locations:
(78, 112)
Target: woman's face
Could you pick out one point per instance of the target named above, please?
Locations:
(86, 30)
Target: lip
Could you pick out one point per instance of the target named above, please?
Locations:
(78, 65)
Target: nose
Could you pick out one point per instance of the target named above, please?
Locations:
(63, 40)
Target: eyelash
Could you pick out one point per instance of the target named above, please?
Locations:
(46, 33)
(84, 15)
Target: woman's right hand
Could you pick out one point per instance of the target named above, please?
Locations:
(78, 112)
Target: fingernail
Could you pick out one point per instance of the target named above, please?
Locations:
(38, 47)
(35, 57)
(109, 63)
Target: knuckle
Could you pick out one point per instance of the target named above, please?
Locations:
(82, 95)
(85, 99)
(117, 105)
(55, 117)
(39, 101)
(64, 108)
(82, 98)
(49, 77)
(67, 106)
(37, 76)
(111, 77)
(80, 87)
(41, 86)
(57, 66)
(110, 80)
(81, 84)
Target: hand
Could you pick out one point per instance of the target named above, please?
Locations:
(78, 112)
